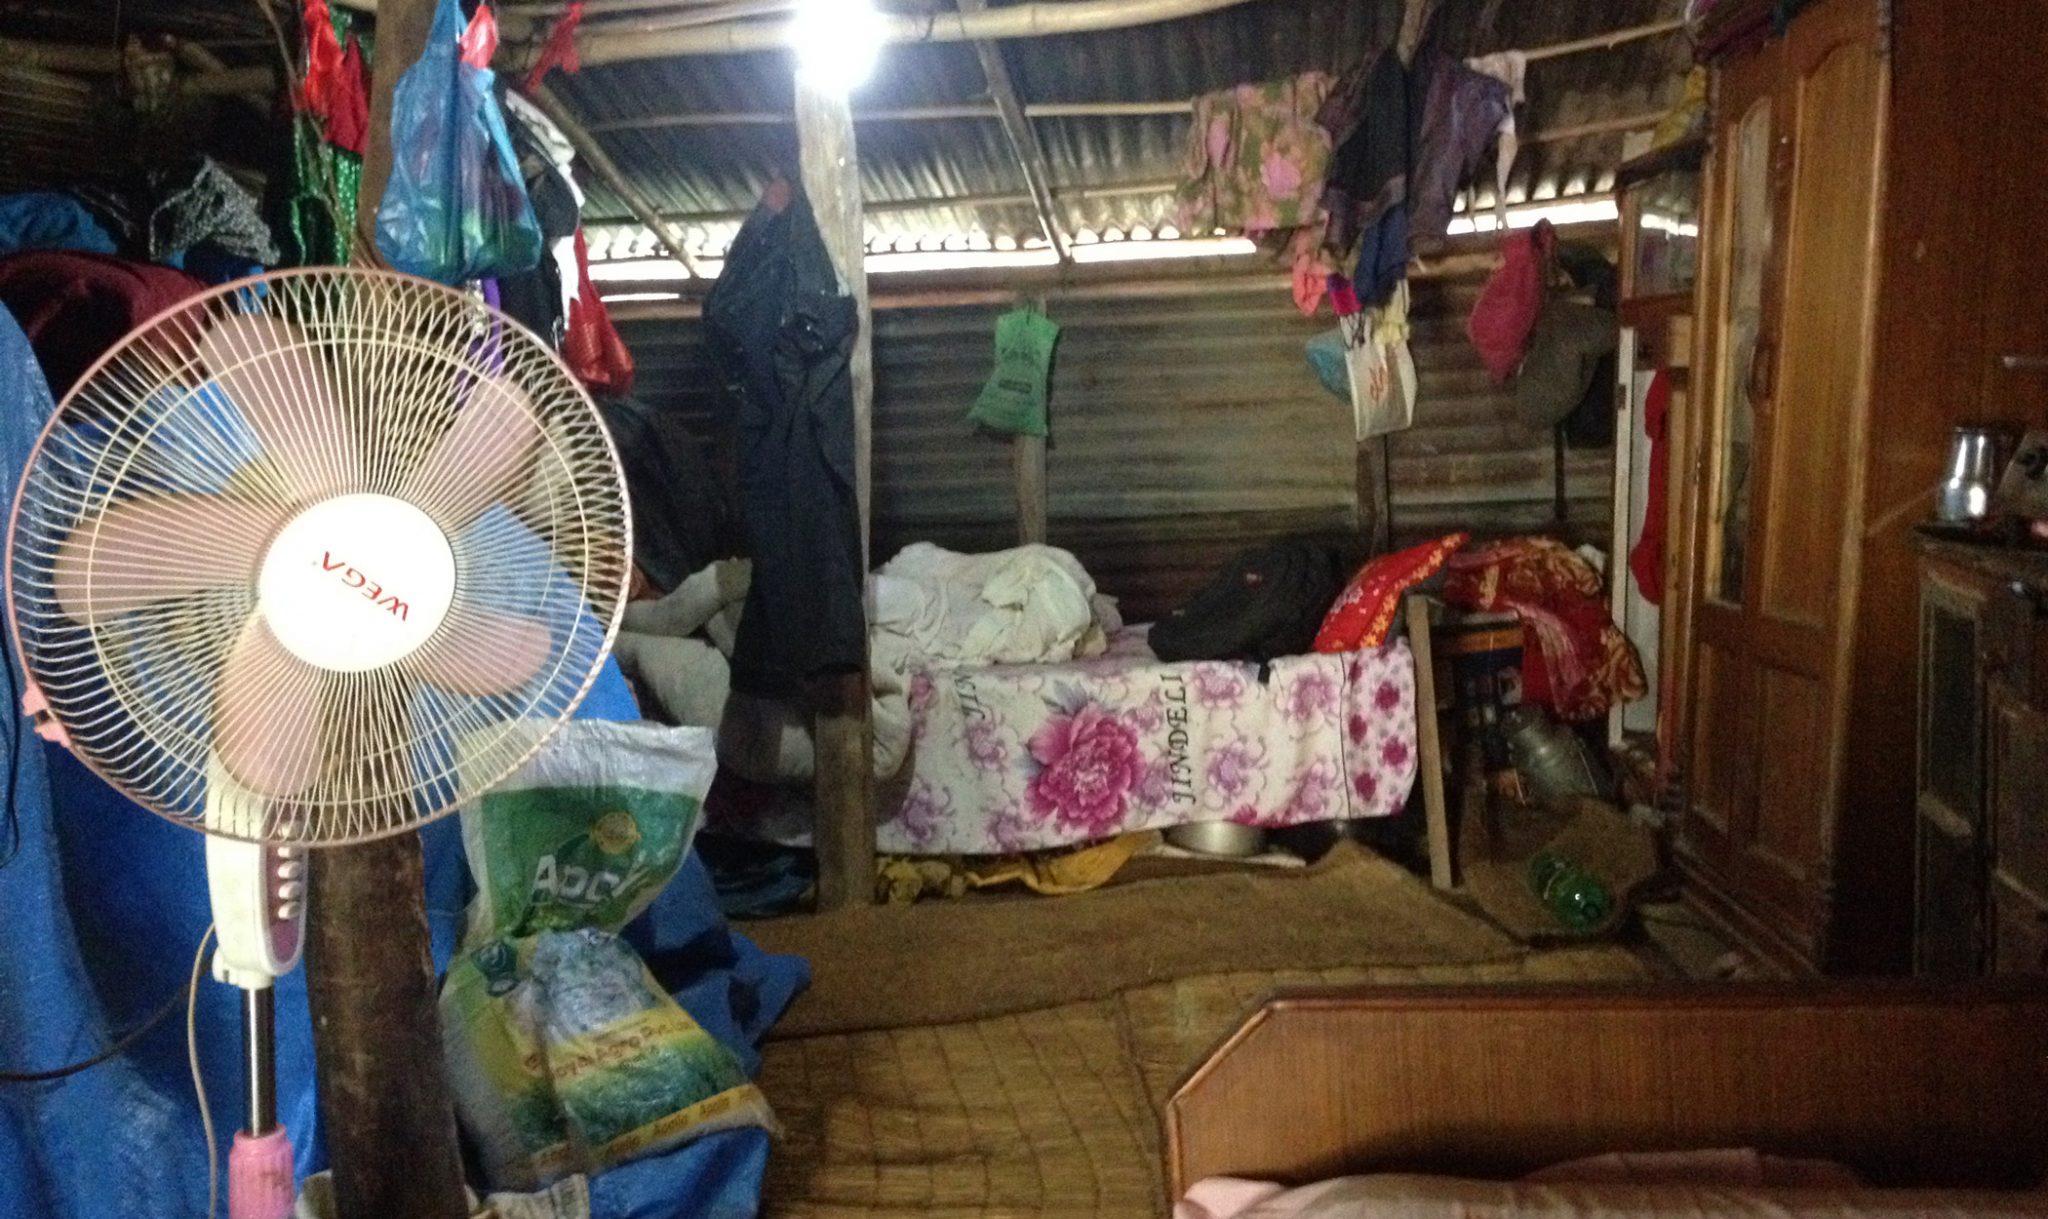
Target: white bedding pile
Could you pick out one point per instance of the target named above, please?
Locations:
(929, 608)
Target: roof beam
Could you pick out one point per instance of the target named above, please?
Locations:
(666, 231)
(1043, 110)
(596, 45)
(1017, 129)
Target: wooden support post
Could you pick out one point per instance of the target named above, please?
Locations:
(1429, 746)
(384, 1103)
(1031, 510)
(591, 153)
(1371, 472)
(385, 1109)
(1022, 136)
(844, 836)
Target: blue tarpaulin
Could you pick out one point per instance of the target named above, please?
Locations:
(104, 903)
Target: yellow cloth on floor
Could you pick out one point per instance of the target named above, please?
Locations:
(899, 881)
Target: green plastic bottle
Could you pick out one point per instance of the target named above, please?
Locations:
(1579, 899)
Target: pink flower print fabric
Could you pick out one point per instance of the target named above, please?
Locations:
(1028, 757)
(1256, 158)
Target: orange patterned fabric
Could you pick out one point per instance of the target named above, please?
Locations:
(1365, 612)
(1575, 660)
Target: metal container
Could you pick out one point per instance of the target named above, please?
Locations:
(1552, 759)
(1976, 458)
(1218, 838)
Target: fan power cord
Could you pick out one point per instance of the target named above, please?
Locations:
(198, 1081)
(121, 1046)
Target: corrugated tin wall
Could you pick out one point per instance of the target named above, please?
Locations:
(1183, 429)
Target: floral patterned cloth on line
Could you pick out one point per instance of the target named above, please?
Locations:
(1026, 757)
(1256, 158)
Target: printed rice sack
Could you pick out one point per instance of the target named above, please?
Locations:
(565, 1055)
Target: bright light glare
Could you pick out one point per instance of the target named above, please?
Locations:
(1522, 216)
(1146, 251)
(837, 42)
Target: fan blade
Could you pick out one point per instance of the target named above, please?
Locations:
(146, 549)
(271, 734)
(283, 389)
(480, 458)
(481, 652)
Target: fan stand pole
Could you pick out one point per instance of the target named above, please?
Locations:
(384, 1100)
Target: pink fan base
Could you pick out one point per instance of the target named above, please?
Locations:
(260, 1176)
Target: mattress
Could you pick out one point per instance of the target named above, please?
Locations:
(1014, 758)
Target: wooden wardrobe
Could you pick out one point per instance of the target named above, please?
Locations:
(1872, 235)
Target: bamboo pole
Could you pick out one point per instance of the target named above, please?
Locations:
(1022, 137)
(1035, 110)
(1607, 41)
(592, 153)
(1036, 19)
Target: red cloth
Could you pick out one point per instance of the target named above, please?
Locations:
(592, 347)
(1646, 561)
(73, 306)
(1506, 312)
(559, 51)
(1364, 612)
(323, 57)
(1575, 661)
(337, 89)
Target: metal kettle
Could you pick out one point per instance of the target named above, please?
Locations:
(1976, 458)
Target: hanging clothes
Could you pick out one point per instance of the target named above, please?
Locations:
(1382, 257)
(1510, 68)
(1461, 111)
(784, 335)
(1367, 118)
(1256, 158)
(1646, 561)
(543, 297)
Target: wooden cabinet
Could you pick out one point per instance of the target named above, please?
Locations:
(1833, 355)
(1981, 898)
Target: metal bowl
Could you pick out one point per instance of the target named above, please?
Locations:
(1218, 838)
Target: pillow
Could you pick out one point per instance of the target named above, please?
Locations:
(1365, 612)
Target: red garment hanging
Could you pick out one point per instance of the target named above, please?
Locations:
(1646, 561)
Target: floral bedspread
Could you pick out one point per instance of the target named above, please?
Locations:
(1024, 757)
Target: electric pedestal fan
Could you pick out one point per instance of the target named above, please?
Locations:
(290, 565)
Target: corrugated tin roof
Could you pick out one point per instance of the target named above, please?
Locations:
(695, 170)
(720, 171)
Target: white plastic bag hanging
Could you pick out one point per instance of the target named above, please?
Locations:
(1380, 368)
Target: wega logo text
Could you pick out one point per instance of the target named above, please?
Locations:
(371, 590)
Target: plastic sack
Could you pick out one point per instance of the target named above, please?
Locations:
(564, 1053)
(1373, 371)
(592, 347)
(1014, 400)
(456, 208)
(1509, 304)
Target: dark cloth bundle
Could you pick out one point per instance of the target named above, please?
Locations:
(1268, 601)
(682, 518)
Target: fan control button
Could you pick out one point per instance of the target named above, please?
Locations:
(290, 891)
(291, 869)
(287, 911)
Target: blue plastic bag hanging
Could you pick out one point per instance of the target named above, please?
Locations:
(456, 208)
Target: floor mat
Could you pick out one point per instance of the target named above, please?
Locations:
(956, 961)
(1041, 1113)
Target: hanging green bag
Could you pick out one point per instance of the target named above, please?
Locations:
(1014, 399)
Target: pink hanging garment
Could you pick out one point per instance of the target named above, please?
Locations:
(1500, 323)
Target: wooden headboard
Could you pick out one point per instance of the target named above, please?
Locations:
(1907, 1085)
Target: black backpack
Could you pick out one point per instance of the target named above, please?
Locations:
(1268, 601)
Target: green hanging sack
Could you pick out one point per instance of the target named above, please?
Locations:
(1014, 399)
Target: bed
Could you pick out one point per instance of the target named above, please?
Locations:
(1906, 1086)
(1008, 758)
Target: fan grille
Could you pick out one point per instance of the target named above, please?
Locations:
(153, 497)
